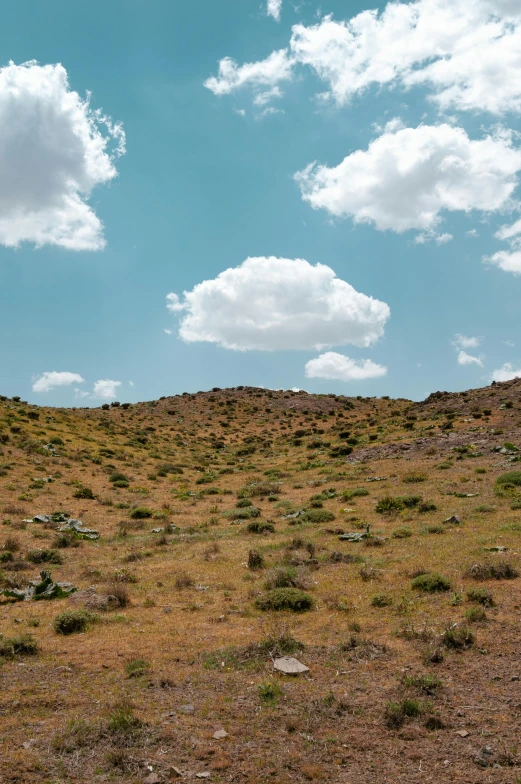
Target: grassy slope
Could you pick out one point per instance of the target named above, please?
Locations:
(201, 642)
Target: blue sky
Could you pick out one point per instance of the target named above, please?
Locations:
(207, 181)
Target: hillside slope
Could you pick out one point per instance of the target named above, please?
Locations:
(206, 504)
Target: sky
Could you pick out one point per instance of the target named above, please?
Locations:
(277, 193)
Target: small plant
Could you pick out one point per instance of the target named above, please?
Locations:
(44, 556)
(23, 645)
(427, 684)
(269, 692)
(431, 583)
(358, 492)
(501, 570)
(292, 599)
(426, 506)
(73, 621)
(401, 533)
(122, 720)
(414, 477)
(476, 615)
(481, 596)
(183, 580)
(84, 493)
(397, 712)
(260, 527)
(317, 516)
(255, 560)
(458, 637)
(136, 668)
(381, 600)
(140, 513)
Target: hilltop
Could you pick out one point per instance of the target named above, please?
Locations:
(215, 508)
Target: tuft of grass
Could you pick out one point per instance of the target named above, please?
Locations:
(458, 637)
(401, 533)
(136, 668)
(44, 556)
(381, 600)
(431, 582)
(397, 712)
(292, 599)
(427, 684)
(260, 527)
(269, 692)
(476, 615)
(184, 580)
(414, 477)
(122, 720)
(255, 560)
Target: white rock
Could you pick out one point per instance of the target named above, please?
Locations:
(289, 666)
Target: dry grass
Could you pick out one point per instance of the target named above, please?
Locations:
(188, 606)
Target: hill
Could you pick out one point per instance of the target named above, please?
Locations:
(220, 518)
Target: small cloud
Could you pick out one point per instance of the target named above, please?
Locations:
(469, 359)
(131, 383)
(509, 343)
(240, 112)
(80, 394)
(274, 8)
(168, 331)
(52, 379)
(472, 233)
(506, 373)
(106, 389)
(462, 341)
(341, 368)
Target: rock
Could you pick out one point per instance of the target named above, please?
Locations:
(156, 530)
(92, 600)
(174, 773)
(220, 734)
(462, 733)
(355, 536)
(453, 520)
(153, 778)
(187, 709)
(484, 757)
(289, 666)
(204, 775)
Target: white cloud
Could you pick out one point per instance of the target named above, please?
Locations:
(469, 359)
(341, 368)
(261, 76)
(509, 232)
(509, 343)
(462, 341)
(54, 149)
(506, 373)
(273, 304)
(274, 8)
(406, 178)
(472, 233)
(506, 261)
(52, 379)
(168, 332)
(106, 389)
(466, 52)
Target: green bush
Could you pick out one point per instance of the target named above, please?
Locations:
(507, 484)
(357, 492)
(22, 645)
(415, 476)
(44, 556)
(381, 600)
(269, 692)
(246, 513)
(316, 516)
(481, 596)
(401, 533)
(136, 668)
(500, 570)
(476, 615)
(431, 583)
(260, 527)
(285, 599)
(140, 513)
(84, 493)
(72, 621)
(458, 637)
(122, 720)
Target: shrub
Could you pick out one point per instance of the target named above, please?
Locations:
(140, 513)
(243, 503)
(501, 570)
(401, 533)
(22, 645)
(255, 560)
(428, 684)
(458, 637)
(285, 599)
(317, 516)
(427, 506)
(476, 615)
(85, 493)
(260, 527)
(414, 477)
(287, 577)
(381, 600)
(183, 580)
(357, 492)
(388, 504)
(72, 621)
(44, 556)
(507, 483)
(122, 483)
(396, 712)
(481, 596)
(431, 583)
(247, 513)
(117, 477)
